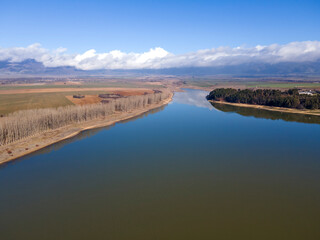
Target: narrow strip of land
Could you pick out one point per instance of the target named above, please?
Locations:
(277, 109)
(31, 144)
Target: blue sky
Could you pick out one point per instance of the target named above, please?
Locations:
(176, 26)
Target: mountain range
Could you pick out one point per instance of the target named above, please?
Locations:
(32, 67)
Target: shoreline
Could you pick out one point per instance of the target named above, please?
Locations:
(32, 144)
(268, 108)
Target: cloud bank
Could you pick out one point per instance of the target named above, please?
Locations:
(158, 58)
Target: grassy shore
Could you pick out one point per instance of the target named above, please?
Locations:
(277, 109)
(26, 146)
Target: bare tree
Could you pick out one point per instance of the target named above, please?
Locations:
(26, 123)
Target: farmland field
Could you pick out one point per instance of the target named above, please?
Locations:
(14, 102)
(207, 84)
(283, 85)
(18, 97)
(81, 85)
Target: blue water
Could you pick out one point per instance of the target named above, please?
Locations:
(185, 171)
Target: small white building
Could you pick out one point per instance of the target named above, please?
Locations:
(306, 92)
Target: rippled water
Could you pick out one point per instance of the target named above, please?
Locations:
(185, 171)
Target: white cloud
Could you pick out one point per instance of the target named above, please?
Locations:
(159, 58)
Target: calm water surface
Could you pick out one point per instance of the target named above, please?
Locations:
(185, 171)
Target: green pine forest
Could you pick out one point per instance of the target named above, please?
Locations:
(276, 98)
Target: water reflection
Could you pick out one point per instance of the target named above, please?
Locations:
(193, 97)
(91, 132)
(261, 113)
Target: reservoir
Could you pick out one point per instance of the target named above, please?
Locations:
(188, 170)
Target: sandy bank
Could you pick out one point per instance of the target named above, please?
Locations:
(277, 109)
(26, 146)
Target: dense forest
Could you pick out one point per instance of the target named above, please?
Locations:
(288, 99)
(26, 123)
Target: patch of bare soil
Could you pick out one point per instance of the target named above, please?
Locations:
(132, 92)
(88, 99)
(91, 99)
(67, 83)
(154, 83)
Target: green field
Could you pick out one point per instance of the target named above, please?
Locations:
(202, 83)
(282, 85)
(253, 84)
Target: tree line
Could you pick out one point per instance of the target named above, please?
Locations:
(26, 123)
(289, 99)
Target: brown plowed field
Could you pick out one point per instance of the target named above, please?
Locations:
(88, 99)
(91, 99)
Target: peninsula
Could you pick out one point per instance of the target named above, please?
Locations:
(290, 101)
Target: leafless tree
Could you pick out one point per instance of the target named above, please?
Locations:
(26, 123)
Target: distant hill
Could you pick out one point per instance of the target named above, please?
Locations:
(32, 67)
